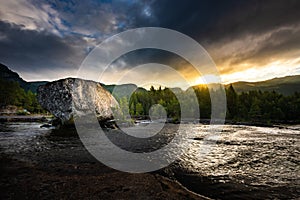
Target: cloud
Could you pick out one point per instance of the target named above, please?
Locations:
(88, 18)
(33, 51)
(269, 71)
(101, 18)
(257, 49)
(49, 39)
(238, 35)
(40, 17)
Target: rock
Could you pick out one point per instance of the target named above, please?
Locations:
(46, 126)
(66, 97)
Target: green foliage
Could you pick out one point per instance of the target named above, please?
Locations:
(13, 94)
(231, 101)
(265, 106)
(286, 85)
(139, 109)
(124, 105)
(246, 106)
(255, 111)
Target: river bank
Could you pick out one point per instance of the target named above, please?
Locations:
(37, 164)
(136, 119)
(92, 180)
(243, 162)
(25, 118)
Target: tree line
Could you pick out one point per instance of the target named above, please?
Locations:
(246, 106)
(13, 94)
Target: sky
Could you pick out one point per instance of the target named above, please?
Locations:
(247, 40)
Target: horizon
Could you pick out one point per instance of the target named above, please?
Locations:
(47, 41)
(157, 85)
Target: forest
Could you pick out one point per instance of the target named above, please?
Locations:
(13, 94)
(253, 105)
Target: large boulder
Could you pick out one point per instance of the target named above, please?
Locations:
(66, 97)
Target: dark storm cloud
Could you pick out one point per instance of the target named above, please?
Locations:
(99, 18)
(142, 56)
(62, 32)
(233, 32)
(215, 20)
(56, 35)
(193, 18)
(279, 43)
(258, 17)
(30, 50)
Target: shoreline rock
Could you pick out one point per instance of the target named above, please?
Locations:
(70, 97)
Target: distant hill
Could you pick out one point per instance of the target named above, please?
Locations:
(285, 85)
(9, 75)
(123, 90)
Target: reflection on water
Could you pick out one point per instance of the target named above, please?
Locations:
(21, 137)
(253, 156)
(260, 156)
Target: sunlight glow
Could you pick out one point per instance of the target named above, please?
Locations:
(272, 70)
(207, 79)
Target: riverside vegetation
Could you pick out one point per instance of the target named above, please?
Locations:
(246, 106)
(255, 105)
(13, 94)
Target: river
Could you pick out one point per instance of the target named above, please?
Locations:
(242, 162)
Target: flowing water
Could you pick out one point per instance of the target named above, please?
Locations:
(241, 162)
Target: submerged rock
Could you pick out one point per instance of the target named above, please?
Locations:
(69, 97)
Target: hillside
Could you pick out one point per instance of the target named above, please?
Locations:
(9, 75)
(285, 85)
(122, 90)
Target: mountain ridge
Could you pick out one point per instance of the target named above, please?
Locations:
(285, 85)
(9, 75)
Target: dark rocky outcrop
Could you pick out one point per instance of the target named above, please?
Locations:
(9, 75)
(68, 97)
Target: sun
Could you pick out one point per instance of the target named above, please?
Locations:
(207, 79)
